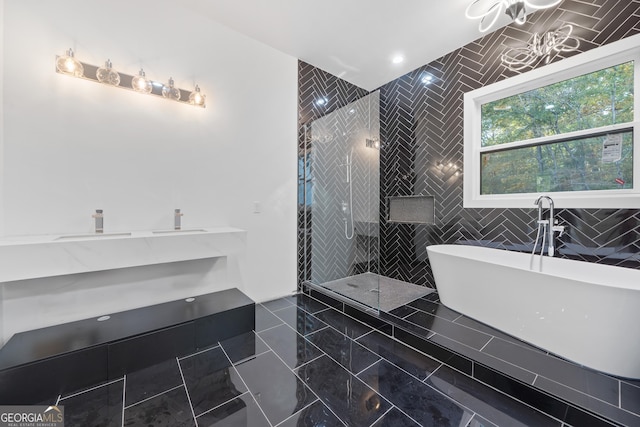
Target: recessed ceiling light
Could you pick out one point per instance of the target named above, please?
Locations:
(397, 59)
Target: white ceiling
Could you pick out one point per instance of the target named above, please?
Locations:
(352, 39)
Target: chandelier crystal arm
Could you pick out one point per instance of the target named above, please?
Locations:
(541, 4)
(490, 18)
(488, 11)
(481, 8)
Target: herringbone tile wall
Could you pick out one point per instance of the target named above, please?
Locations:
(422, 124)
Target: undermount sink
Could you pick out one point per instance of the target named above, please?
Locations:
(93, 236)
(192, 230)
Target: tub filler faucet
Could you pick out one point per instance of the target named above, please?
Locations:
(99, 217)
(549, 225)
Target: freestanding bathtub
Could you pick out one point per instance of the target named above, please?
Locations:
(584, 312)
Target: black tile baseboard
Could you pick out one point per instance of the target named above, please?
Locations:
(74, 355)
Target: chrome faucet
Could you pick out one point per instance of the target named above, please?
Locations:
(99, 217)
(551, 222)
(177, 220)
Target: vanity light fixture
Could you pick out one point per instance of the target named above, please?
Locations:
(197, 98)
(140, 83)
(107, 74)
(69, 65)
(541, 48)
(488, 11)
(171, 92)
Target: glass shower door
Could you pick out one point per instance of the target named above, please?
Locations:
(343, 161)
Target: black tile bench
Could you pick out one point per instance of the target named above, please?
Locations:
(38, 364)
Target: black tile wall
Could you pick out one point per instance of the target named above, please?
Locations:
(314, 83)
(423, 124)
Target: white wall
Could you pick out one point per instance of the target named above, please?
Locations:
(1, 144)
(70, 146)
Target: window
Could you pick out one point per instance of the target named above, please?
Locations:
(568, 130)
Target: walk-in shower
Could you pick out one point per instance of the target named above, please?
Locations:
(341, 191)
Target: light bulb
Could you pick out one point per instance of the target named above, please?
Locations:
(197, 98)
(171, 92)
(107, 75)
(68, 64)
(140, 83)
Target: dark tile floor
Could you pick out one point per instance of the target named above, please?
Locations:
(306, 364)
(615, 399)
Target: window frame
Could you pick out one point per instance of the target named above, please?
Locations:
(624, 50)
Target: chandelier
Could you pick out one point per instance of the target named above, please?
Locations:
(541, 48)
(488, 11)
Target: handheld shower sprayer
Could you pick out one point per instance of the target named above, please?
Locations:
(347, 210)
(348, 165)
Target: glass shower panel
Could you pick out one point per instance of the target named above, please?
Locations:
(344, 159)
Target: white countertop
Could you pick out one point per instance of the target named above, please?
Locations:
(29, 257)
